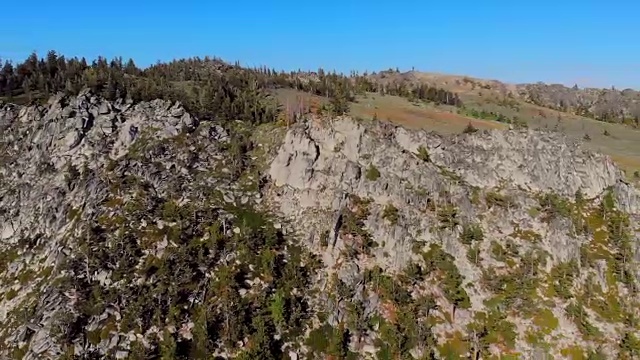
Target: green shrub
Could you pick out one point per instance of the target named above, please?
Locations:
(471, 233)
(469, 129)
(353, 224)
(629, 346)
(562, 276)
(546, 321)
(498, 251)
(390, 213)
(495, 199)
(423, 154)
(438, 261)
(575, 311)
(492, 328)
(318, 340)
(473, 254)
(372, 173)
(324, 238)
(553, 205)
(448, 217)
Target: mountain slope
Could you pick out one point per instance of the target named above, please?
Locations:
(603, 104)
(497, 228)
(119, 233)
(139, 231)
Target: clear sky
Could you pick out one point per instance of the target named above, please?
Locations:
(589, 42)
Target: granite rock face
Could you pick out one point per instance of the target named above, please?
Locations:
(317, 165)
(52, 160)
(493, 179)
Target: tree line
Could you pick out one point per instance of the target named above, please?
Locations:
(207, 87)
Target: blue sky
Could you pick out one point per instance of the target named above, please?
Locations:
(589, 42)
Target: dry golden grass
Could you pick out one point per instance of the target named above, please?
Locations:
(405, 113)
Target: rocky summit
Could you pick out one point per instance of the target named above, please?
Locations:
(137, 231)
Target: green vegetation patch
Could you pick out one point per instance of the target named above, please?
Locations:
(372, 173)
(201, 245)
(441, 265)
(492, 328)
(448, 216)
(495, 199)
(526, 235)
(423, 154)
(471, 234)
(352, 225)
(545, 321)
(390, 213)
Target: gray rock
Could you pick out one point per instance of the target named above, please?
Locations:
(319, 164)
(39, 145)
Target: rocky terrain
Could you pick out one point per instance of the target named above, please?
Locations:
(610, 105)
(135, 230)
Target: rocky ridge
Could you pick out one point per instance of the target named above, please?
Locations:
(495, 180)
(54, 157)
(515, 239)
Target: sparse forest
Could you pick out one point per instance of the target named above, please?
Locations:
(207, 87)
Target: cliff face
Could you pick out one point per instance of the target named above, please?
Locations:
(137, 231)
(82, 180)
(318, 166)
(534, 198)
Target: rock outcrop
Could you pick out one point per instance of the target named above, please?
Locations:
(54, 159)
(493, 179)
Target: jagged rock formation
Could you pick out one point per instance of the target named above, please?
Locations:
(439, 186)
(320, 164)
(61, 163)
(134, 231)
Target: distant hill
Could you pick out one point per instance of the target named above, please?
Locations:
(609, 105)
